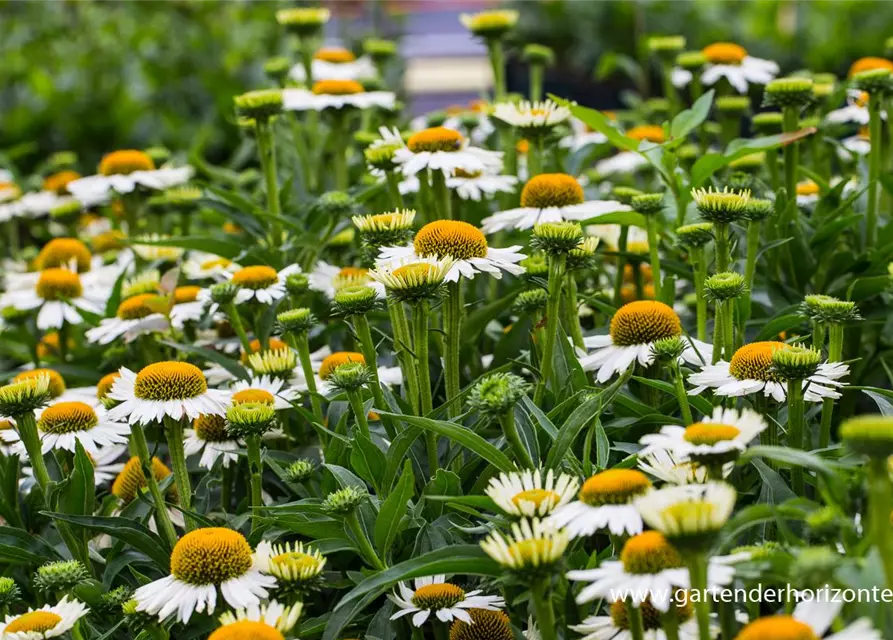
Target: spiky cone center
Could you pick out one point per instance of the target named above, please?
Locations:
(415, 281)
(275, 362)
(300, 470)
(130, 480)
(709, 433)
(399, 220)
(870, 63)
(211, 428)
(796, 363)
(210, 556)
(652, 619)
(344, 500)
(332, 362)
(648, 203)
(666, 45)
(794, 91)
(169, 381)
(732, 105)
(60, 576)
(721, 206)
(649, 553)
(58, 182)
(485, 625)
(294, 565)
(551, 190)
(650, 132)
(530, 302)
(275, 344)
(777, 628)
(754, 361)
(250, 418)
(337, 88)
(186, 294)
(247, 630)
(351, 276)
(691, 60)
(491, 24)
(536, 496)
(215, 263)
(296, 320)
(34, 622)
(497, 393)
(259, 105)
(105, 384)
(453, 238)
(253, 395)
(59, 284)
(335, 55)
(642, 322)
(61, 252)
(758, 209)
(874, 81)
(695, 235)
(435, 139)
(724, 53)
(438, 596)
(303, 17)
(255, 277)
(108, 241)
(871, 435)
(556, 238)
(725, 285)
(56, 381)
(141, 306)
(125, 162)
(67, 417)
(145, 282)
(614, 486)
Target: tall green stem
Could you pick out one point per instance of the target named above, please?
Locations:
(697, 567)
(302, 346)
(356, 404)
(791, 155)
(510, 429)
(339, 149)
(621, 265)
(174, 432)
(267, 151)
(421, 311)
(553, 323)
(442, 199)
(403, 348)
(835, 354)
(536, 82)
(880, 501)
(140, 448)
(572, 314)
(236, 321)
(753, 247)
(796, 431)
(545, 613)
(452, 318)
(699, 268)
(723, 246)
(256, 472)
(367, 347)
(393, 182)
(366, 548)
(636, 623)
(875, 158)
(718, 330)
(654, 250)
(497, 61)
(681, 395)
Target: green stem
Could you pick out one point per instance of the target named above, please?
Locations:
(302, 346)
(267, 151)
(653, 249)
(835, 354)
(699, 268)
(303, 153)
(880, 501)
(670, 624)
(681, 395)
(421, 311)
(236, 321)
(174, 433)
(442, 200)
(727, 620)
(753, 247)
(403, 348)
(356, 404)
(535, 157)
(510, 429)
(553, 322)
(542, 605)
(367, 347)
(571, 310)
(366, 549)
(140, 448)
(728, 329)
(339, 150)
(256, 472)
(393, 182)
(796, 431)
(718, 332)
(226, 487)
(636, 623)
(697, 567)
(791, 156)
(497, 60)
(621, 265)
(27, 428)
(452, 319)
(875, 159)
(536, 82)
(723, 253)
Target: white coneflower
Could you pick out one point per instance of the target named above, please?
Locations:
(335, 63)
(434, 596)
(264, 388)
(687, 511)
(261, 283)
(209, 437)
(726, 433)
(328, 279)
(207, 266)
(531, 117)
(46, 622)
(531, 546)
(811, 620)
(444, 150)
(123, 171)
(731, 61)
(138, 315)
(261, 622)
(336, 94)
(855, 111)
(550, 197)
(57, 294)
(203, 562)
(750, 371)
(528, 493)
(605, 502)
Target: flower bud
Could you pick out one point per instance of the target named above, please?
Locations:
(259, 105)
(796, 363)
(556, 238)
(344, 501)
(250, 419)
(725, 286)
(794, 91)
(497, 394)
(55, 577)
(296, 321)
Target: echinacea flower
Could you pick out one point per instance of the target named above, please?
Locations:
(808, 193)
(411, 280)
(531, 547)
(45, 622)
(203, 562)
(487, 624)
(531, 118)
(605, 501)
(264, 388)
(856, 145)
(550, 197)
(328, 279)
(58, 294)
(444, 150)
(726, 433)
(173, 389)
(750, 371)
(261, 283)
(531, 493)
(668, 467)
(465, 244)
(335, 63)
(732, 62)
(633, 331)
(63, 424)
(616, 625)
(296, 566)
(689, 511)
(188, 306)
(123, 171)
(325, 365)
(433, 595)
(259, 622)
(855, 111)
(207, 266)
(138, 315)
(336, 94)
(209, 437)
(106, 465)
(811, 620)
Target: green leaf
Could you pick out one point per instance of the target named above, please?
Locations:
(111, 305)
(710, 163)
(474, 323)
(628, 218)
(863, 288)
(597, 121)
(464, 559)
(779, 324)
(484, 503)
(690, 119)
(390, 516)
(789, 457)
(367, 460)
(223, 248)
(229, 364)
(18, 546)
(460, 435)
(126, 530)
(396, 452)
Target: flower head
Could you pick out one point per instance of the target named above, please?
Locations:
(24, 396)
(870, 435)
(533, 546)
(688, 515)
(46, 622)
(531, 493)
(720, 207)
(493, 24)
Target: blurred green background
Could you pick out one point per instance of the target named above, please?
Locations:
(93, 76)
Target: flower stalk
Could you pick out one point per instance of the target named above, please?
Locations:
(267, 152)
(452, 318)
(557, 264)
(256, 470)
(174, 432)
(140, 448)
